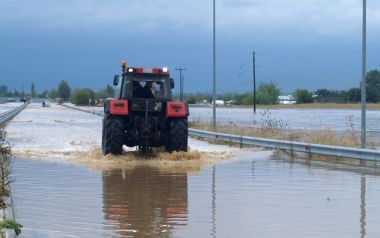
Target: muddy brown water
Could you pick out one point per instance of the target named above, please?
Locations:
(252, 196)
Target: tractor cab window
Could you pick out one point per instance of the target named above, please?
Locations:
(148, 89)
(145, 88)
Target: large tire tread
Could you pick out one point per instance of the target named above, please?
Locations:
(178, 135)
(112, 138)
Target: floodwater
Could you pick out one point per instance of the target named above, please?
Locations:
(255, 195)
(59, 132)
(251, 194)
(335, 119)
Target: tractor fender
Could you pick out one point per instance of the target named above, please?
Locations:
(177, 109)
(116, 107)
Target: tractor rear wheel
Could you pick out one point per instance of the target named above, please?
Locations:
(112, 135)
(178, 134)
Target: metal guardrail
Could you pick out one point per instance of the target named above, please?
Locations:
(292, 146)
(5, 116)
(337, 151)
(84, 110)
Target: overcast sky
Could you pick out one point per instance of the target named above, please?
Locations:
(299, 43)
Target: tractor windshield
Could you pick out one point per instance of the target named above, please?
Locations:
(148, 88)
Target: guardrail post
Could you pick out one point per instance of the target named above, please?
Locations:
(308, 150)
(291, 150)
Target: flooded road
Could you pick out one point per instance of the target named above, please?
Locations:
(255, 195)
(223, 192)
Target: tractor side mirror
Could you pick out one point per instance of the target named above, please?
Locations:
(116, 80)
(171, 83)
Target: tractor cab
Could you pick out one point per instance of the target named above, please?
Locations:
(143, 113)
(146, 83)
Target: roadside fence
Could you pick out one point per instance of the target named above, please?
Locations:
(6, 116)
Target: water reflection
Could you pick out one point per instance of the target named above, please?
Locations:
(362, 207)
(248, 197)
(145, 202)
(213, 204)
(351, 165)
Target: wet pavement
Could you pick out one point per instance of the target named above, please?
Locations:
(257, 195)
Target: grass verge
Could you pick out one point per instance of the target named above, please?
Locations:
(5, 180)
(372, 106)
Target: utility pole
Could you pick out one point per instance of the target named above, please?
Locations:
(213, 71)
(254, 83)
(363, 84)
(181, 82)
(22, 88)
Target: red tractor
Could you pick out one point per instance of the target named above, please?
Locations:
(143, 113)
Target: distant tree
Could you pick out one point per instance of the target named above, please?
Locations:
(33, 90)
(326, 95)
(16, 93)
(354, 95)
(53, 94)
(323, 93)
(104, 93)
(83, 96)
(303, 96)
(110, 91)
(267, 93)
(237, 98)
(373, 86)
(44, 94)
(247, 99)
(3, 91)
(190, 99)
(64, 90)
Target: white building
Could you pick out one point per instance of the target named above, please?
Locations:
(286, 99)
(219, 102)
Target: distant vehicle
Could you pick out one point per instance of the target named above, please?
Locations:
(46, 103)
(144, 116)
